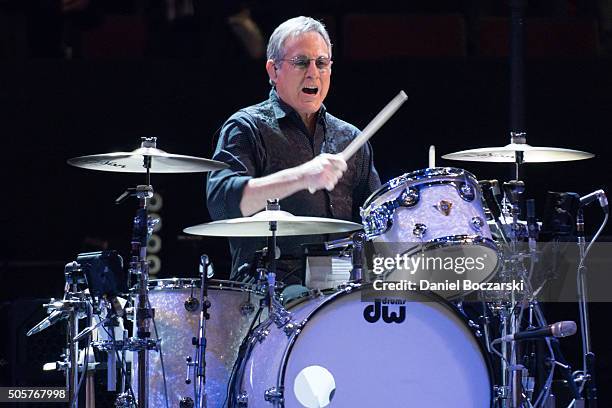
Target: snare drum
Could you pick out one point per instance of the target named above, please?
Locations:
(437, 209)
(177, 310)
(336, 350)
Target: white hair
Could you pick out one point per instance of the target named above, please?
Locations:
(292, 28)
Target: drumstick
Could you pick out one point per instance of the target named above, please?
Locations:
(432, 156)
(380, 119)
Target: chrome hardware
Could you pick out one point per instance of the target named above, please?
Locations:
(261, 335)
(475, 328)
(131, 344)
(124, 400)
(186, 402)
(501, 392)
(379, 219)
(247, 308)
(291, 328)
(466, 192)
(148, 142)
(280, 316)
(419, 230)
(477, 223)
(190, 363)
(192, 304)
(274, 395)
(242, 399)
(409, 197)
(444, 206)
(152, 223)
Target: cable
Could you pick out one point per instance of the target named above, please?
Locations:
(597, 234)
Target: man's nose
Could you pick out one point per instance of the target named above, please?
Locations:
(312, 71)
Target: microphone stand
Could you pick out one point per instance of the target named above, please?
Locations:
(588, 361)
(201, 397)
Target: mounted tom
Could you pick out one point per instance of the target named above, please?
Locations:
(432, 223)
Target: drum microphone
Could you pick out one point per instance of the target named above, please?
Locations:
(206, 263)
(50, 320)
(595, 195)
(559, 329)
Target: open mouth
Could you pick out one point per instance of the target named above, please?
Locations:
(310, 90)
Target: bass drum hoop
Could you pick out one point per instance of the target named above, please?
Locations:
(280, 381)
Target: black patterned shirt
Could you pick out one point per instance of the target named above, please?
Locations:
(270, 136)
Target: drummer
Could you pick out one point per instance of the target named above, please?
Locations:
(287, 147)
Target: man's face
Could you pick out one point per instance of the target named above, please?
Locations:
(303, 88)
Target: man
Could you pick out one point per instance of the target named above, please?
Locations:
(286, 148)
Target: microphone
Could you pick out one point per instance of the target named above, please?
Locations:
(206, 263)
(595, 195)
(559, 329)
(50, 320)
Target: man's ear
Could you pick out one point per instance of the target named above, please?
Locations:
(271, 69)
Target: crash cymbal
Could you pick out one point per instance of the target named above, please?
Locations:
(133, 162)
(258, 225)
(506, 154)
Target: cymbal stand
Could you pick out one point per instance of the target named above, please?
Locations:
(511, 371)
(276, 311)
(142, 229)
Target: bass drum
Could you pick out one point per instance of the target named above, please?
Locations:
(337, 350)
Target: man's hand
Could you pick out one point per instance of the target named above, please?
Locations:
(322, 172)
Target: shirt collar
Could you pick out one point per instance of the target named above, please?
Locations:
(282, 109)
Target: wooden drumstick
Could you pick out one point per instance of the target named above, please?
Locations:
(432, 156)
(380, 119)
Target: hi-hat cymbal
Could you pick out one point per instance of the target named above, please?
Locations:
(133, 162)
(258, 225)
(506, 154)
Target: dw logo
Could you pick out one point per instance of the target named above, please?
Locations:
(373, 313)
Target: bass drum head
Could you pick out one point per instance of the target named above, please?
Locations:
(431, 359)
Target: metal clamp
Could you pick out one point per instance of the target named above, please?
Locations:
(274, 395)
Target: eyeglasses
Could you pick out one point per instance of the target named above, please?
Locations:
(302, 62)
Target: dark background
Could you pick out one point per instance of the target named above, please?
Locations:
(52, 109)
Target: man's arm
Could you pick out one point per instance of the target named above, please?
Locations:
(237, 191)
(322, 172)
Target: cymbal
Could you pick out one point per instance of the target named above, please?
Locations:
(258, 225)
(506, 154)
(133, 162)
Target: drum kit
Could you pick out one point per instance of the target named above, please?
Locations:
(216, 343)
